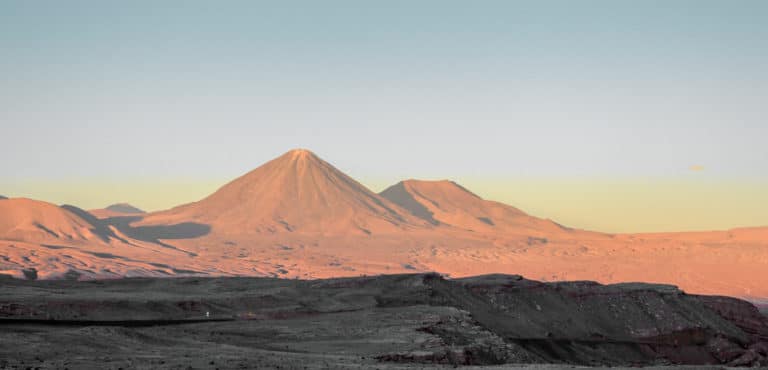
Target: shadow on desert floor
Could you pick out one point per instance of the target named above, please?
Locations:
(155, 233)
(152, 234)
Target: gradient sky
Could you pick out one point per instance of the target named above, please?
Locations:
(611, 115)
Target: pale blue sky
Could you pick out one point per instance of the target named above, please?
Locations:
(385, 90)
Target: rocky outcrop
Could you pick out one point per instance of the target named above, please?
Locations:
(485, 320)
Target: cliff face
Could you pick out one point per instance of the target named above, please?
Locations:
(750, 320)
(636, 322)
(383, 320)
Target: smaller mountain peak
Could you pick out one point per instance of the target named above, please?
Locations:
(429, 182)
(431, 186)
(124, 208)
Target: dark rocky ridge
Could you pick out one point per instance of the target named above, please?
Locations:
(383, 321)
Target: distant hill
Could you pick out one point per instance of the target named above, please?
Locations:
(116, 210)
(124, 208)
(33, 220)
(40, 240)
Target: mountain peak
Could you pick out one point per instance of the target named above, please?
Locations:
(445, 202)
(124, 208)
(443, 186)
(296, 192)
(299, 159)
(301, 153)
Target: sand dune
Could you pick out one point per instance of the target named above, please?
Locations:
(297, 216)
(31, 220)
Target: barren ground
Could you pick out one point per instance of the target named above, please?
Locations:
(386, 322)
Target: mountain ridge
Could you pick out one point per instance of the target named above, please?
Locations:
(445, 202)
(297, 216)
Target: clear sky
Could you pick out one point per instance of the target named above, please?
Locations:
(613, 115)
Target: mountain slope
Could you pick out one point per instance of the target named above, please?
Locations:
(40, 240)
(32, 220)
(297, 192)
(448, 203)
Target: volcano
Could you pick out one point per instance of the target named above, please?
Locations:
(295, 193)
(450, 204)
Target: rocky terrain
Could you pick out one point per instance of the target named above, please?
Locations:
(763, 308)
(391, 321)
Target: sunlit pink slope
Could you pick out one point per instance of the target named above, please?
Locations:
(298, 216)
(44, 240)
(448, 204)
